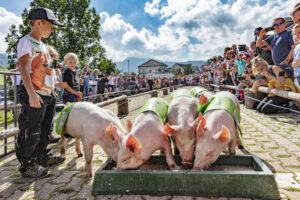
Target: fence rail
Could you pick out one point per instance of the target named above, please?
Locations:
(285, 94)
(122, 110)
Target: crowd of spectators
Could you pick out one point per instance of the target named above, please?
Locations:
(93, 81)
(273, 60)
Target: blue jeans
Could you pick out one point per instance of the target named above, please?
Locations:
(298, 81)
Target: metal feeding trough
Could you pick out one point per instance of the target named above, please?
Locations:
(244, 176)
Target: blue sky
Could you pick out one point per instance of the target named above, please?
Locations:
(173, 30)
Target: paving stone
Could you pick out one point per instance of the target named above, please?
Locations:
(285, 180)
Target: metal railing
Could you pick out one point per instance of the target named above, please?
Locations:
(7, 107)
(12, 132)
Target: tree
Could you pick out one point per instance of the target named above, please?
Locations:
(188, 69)
(80, 34)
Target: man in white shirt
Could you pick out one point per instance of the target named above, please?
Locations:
(150, 78)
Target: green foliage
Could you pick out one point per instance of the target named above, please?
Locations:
(188, 69)
(80, 34)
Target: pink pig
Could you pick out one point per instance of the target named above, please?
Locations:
(182, 124)
(93, 125)
(220, 131)
(146, 137)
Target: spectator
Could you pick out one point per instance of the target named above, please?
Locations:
(295, 14)
(150, 78)
(93, 82)
(102, 80)
(273, 77)
(265, 51)
(296, 62)
(281, 44)
(111, 82)
(86, 81)
(71, 93)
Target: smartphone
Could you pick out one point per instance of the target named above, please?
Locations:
(268, 29)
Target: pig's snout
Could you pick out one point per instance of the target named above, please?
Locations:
(187, 163)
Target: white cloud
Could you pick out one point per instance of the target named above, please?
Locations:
(152, 8)
(6, 20)
(192, 29)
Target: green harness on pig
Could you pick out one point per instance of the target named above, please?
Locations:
(63, 118)
(187, 93)
(158, 106)
(224, 103)
(197, 90)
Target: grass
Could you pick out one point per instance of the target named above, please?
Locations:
(10, 117)
(283, 156)
(273, 147)
(293, 166)
(2, 76)
(292, 189)
(65, 190)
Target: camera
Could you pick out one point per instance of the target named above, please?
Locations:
(240, 78)
(258, 77)
(242, 47)
(268, 29)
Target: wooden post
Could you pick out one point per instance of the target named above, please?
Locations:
(154, 94)
(171, 89)
(165, 91)
(175, 87)
(123, 107)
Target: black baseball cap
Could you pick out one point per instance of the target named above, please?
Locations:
(44, 13)
(257, 30)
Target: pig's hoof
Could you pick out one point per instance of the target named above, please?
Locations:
(80, 155)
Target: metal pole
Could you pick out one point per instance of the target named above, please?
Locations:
(5, 111)
(128, 65)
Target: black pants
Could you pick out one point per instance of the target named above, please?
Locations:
(34, 127)
(150, 83)
(269, 109)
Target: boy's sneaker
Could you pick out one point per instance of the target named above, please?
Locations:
(34, 171)
(52, 160)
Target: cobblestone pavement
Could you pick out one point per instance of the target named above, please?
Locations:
(274, 138)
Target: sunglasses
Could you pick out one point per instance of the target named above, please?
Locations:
(278, 24)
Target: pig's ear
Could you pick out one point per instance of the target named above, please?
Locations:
(108, 132)
(133, 145)
(202, 99)
(116, 134)
(128, 125)
(200, 130)
(223, 136)
(169, 130)
(202, 119)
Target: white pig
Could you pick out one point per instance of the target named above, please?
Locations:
(182, 123)
(146, 137)
(221, 130)
(93, 125)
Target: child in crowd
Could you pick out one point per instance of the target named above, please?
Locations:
(71, 93)
(296, 62)
(36, 96)
(81, 85)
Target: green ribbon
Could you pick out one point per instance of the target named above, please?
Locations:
(63, 118)
(197, 90)
(224, 103)
(158, 106)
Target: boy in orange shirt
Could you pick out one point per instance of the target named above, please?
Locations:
(36, 96)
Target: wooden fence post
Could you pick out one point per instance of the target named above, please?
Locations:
(123, 107)
(154, 94)
(171, 89)
(165, 91)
